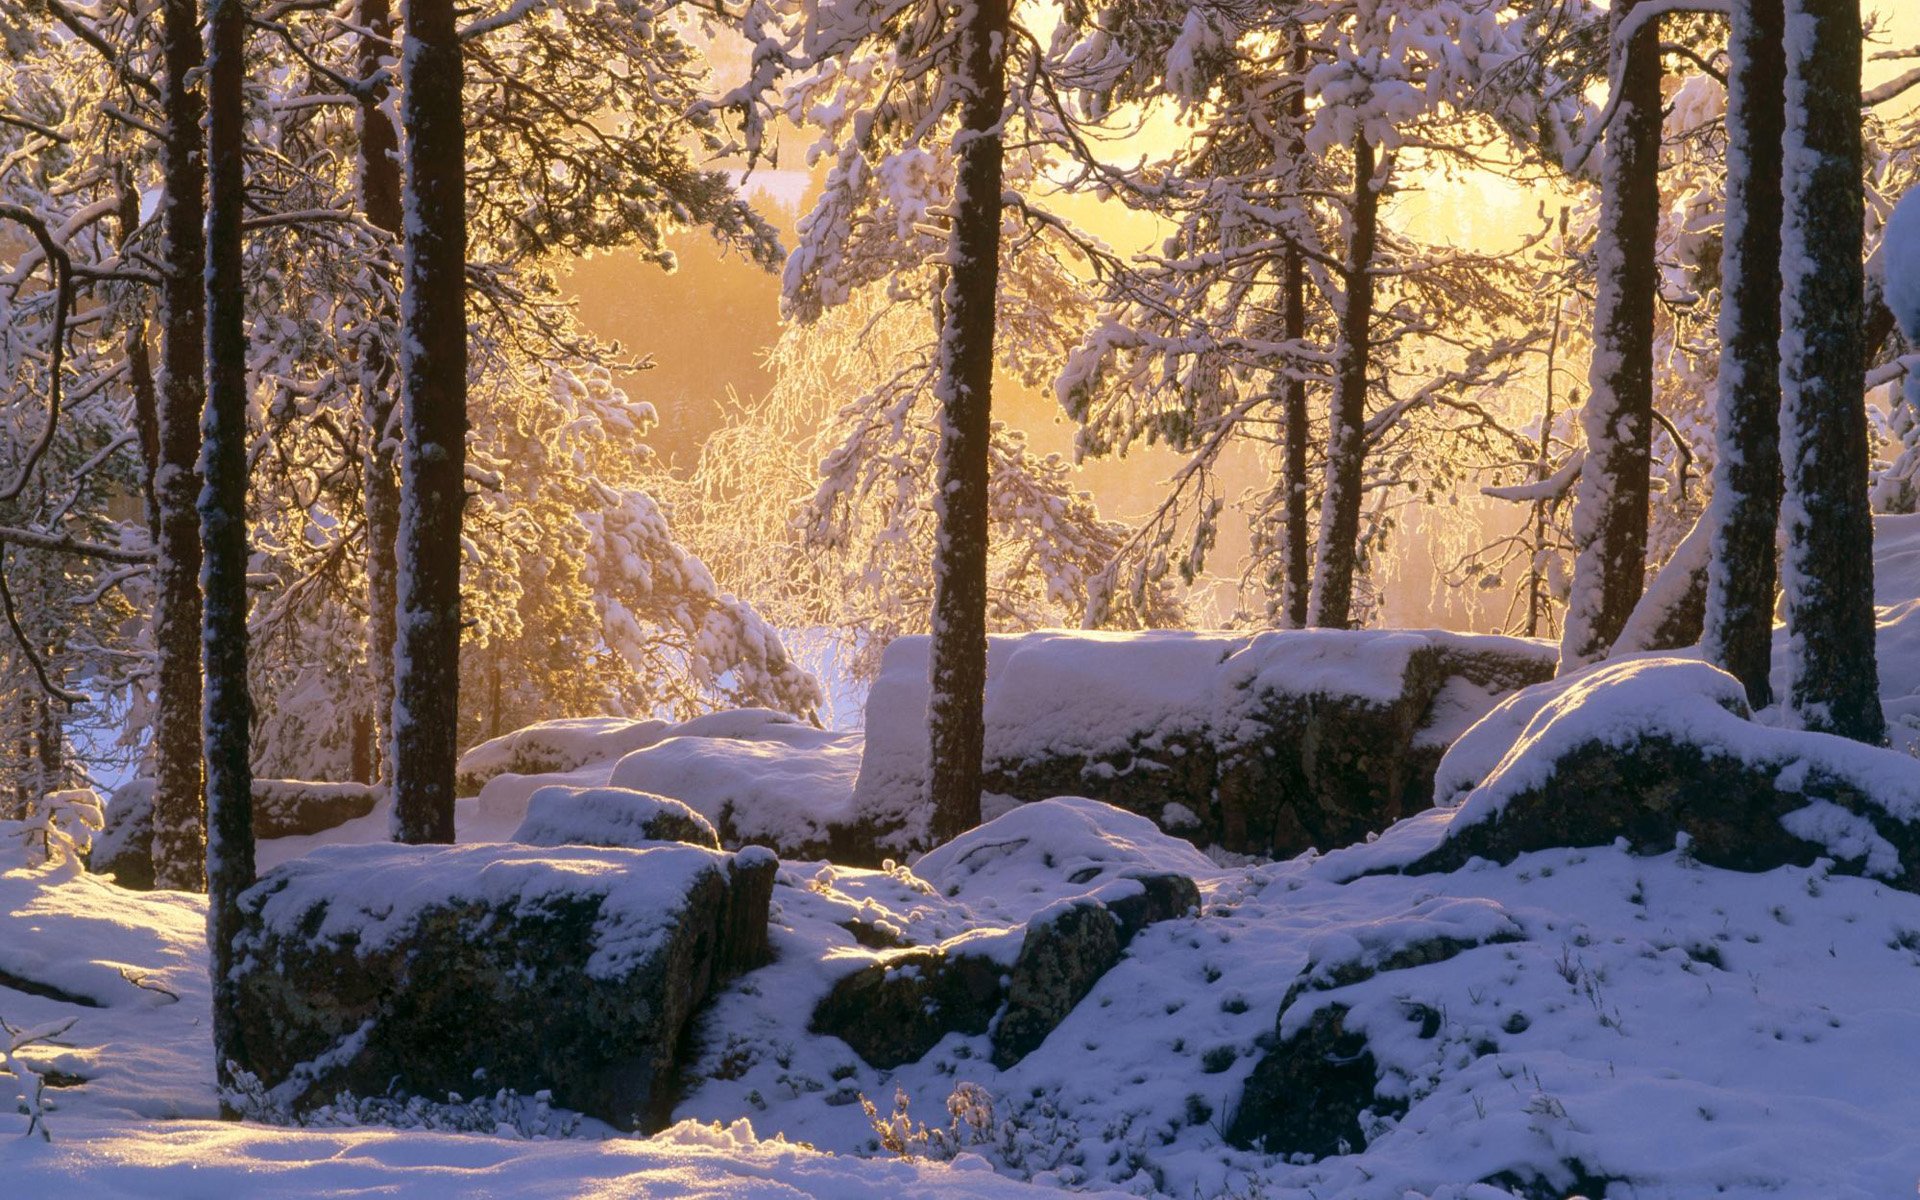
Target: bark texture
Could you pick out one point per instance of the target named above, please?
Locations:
(1610, 510)
(433, 367)
(223, 527)
(179, 807)
(1337, 557)
(379, 187)
(965, 389)
(1833, 679)
(1745, 510)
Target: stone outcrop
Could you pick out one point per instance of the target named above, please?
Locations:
(384, 969)
(1266, 744)
(281, 808)
(904, 1004)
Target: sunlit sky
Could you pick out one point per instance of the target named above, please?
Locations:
(706, 326)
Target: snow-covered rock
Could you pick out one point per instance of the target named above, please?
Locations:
(549, 747)
(1078, 880)
(1657, 749)
(610, 816)
(281, 808)
(447, 969)
(763, 778)
(1266, 743)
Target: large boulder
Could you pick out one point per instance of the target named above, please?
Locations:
(762, 778)
(429, 970)
(1266, 743)
(551, 747)
(1661, 752)
(572, 816)
(124, 848)
(281, 808)
(1075, 879)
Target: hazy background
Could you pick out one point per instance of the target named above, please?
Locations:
(707, 325)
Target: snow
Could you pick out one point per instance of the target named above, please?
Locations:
(1617, 703)
(1039, 854)
(763, 776)
(1150, 687)
(1900, 260)
(562, 745)
(568, 816)
(369, 897)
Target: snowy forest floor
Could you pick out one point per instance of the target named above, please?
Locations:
(1684, 1030)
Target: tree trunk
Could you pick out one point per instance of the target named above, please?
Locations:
(1610, 509)
(146, 393)
(958, 671)
(1338, 556)
(433, 367)
(1745, 510)
(223, 527)
(179, 807)
(1833, 679)
(379, 187)
(1296, 555)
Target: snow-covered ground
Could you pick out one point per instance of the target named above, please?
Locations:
(1637, 1026)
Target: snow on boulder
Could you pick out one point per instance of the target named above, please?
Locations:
(281, 808)
(1266, 743)
(762, 778)
(1660, 752)
(554, 746)
(124, 848)
(610, 816)
(1072, 879)
(1053, 850)
(1896, 593)
(429, 970)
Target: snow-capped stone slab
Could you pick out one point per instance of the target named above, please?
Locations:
(443, 969)
(1660, 752)
(554, 746)
(761, 777)
(1266, 743)
(610, 816)
(281, 808)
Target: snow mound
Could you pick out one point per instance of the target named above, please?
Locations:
(1202, 731)
(1051, 850)
(571, 816)
(761, 777)
(554, 746)
(370, 897)
(1621, 704)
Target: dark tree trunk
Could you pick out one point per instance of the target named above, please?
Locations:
(1833, 679)
(146, 394)
(1338, 555)
(1610, 512)
(958, 672)
(179, 806)
(223, 526)
(379, 187)
(1745, 510)
(433, 358)
(1297, 558)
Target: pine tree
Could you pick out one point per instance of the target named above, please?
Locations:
(1610, 509)
(1745, 510)
(223, 526)
(433, 368)
(1833, 681)
(1337, 551)
(377, 176)
(179, 804)
(964, 388)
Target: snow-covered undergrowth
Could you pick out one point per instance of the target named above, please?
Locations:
(1678, 1027)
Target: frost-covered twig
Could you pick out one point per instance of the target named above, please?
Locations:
(29, 1081)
